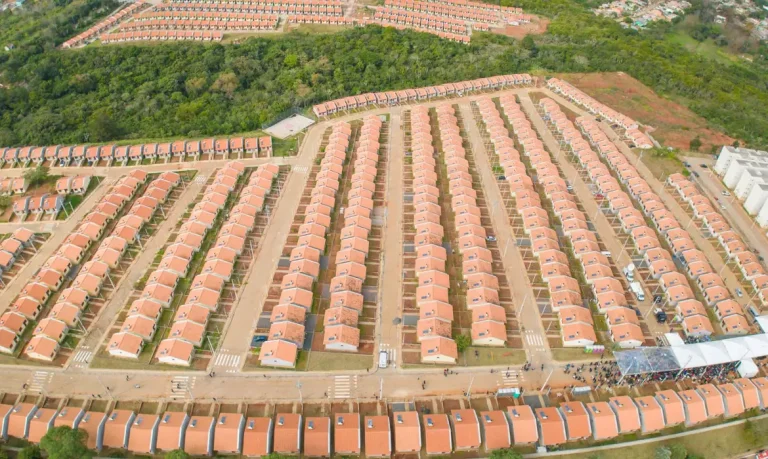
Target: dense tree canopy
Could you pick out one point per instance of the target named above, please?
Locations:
(105, 93)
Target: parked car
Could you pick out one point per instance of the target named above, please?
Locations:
(258, 340)
(725, 193)
(704, 166)
(739, 292)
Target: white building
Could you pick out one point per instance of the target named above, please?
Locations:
(730, 154)
(751, 177)
(756, 198)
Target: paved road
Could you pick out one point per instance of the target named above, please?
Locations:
(514, 266)
(619, 253)
(390, 297)
(247, 308)
(97, 332)
(685, 220)
(46, 226)
(734, 211)
(51, 245)
(279, 385)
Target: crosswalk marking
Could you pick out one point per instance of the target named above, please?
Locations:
(229, 361)
(511, 378)
(39, 381)
(200, 179)
(343, 386)
(534, 340)
(82, 356)
(301, 169)
(181, 386)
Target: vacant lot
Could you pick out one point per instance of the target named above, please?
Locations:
(669, 122)
(537, 26)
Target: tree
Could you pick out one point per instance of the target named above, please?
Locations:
(177, 454)
(508, 453)
(101, 126)
(29, 452)
(462, 342)
(3, 454)
(37, 176)
(678, 450)
(662, 452)
(695, 144)
(63, 442)
(5, 202)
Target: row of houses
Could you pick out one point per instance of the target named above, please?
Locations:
(106, 24)
(404, 96)
(745, 171)
(456, 37)
(696, 267)
(482, 6)
(73, 184)
(66, 314)
(13, 185)
(195, 25)
(44, 204)
(319, 3)
(732, 244)
(340, 330)
(609, 295)
(180, 15)
(178, 35)
(401, 432)
(435, 325)
(140, 324)
(320, 19)
(576, 323)
(424, 21)
(482, 294)
(677, 288)
(630, 126)
(329, 8)
(12, 247)
(661, 265)
(51, 276)
(287, 330)
(447, 10)
(93, 154)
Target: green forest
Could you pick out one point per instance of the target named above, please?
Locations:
(104, 93)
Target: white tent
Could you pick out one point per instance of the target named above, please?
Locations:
(747, 369)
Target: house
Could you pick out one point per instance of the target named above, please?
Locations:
(228, 433)
(693, 406)
(524, 426)
(278, 353)
(347, 436)
(466, 428)
(173, 351)
(171, 431)
(17, 422)
(111, 431)
(42, 347)
(551, 426)
(437, 434)
(576, 420)
(317, 437)
(651, 414)
(407, 432)
(142, 438)
(40, 423)
(602, 420)
(257, 437)
(378, 436)
(287, 433)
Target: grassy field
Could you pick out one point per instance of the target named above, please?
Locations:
(726, 442)
(707, 48)
(564, 354)
(492, 356)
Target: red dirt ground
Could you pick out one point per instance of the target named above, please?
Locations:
(667, 121)
(537, 26)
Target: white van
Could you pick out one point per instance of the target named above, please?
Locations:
(383, 361)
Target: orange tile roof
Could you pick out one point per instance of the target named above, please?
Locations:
(287, 434)
(317, 437)
(378, 436)
(257, 436)
(437, 434)
(347, 435)
(551, 425)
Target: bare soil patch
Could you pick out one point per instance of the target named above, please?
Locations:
(669, 122)
(537, 26)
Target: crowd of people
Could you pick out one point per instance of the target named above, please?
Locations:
(607, 375)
